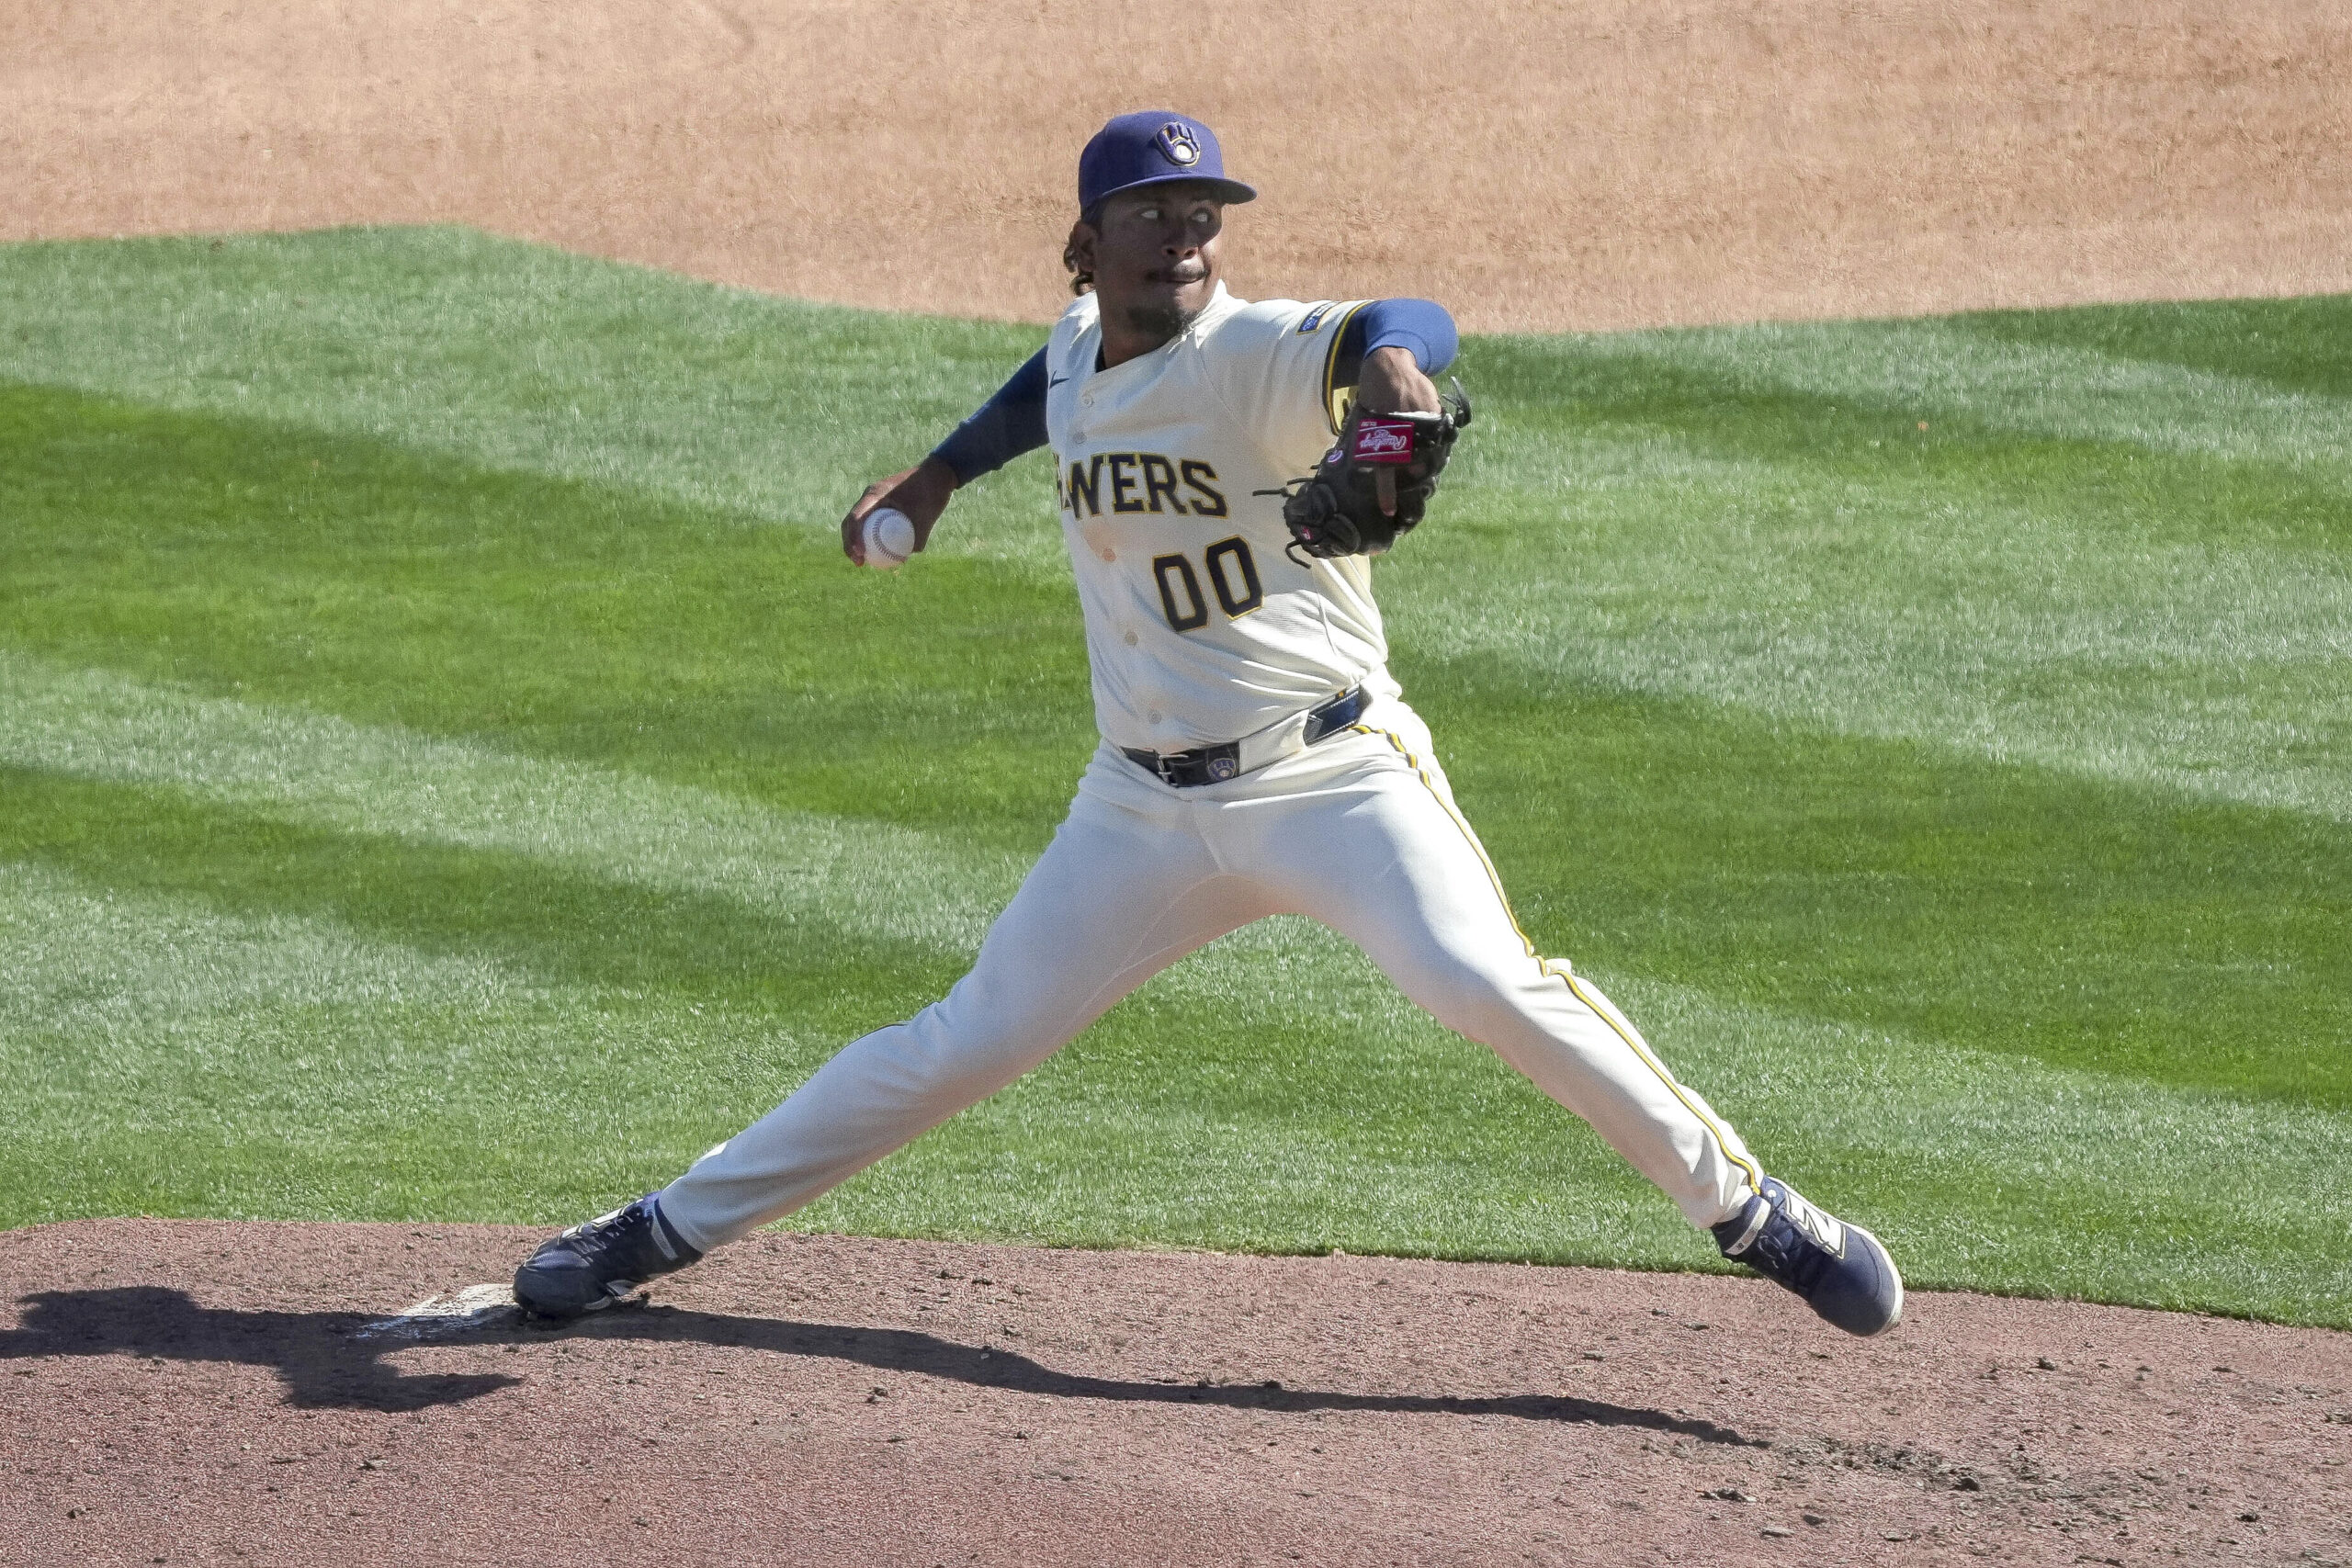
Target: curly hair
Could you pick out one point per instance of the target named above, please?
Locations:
(1081, 279)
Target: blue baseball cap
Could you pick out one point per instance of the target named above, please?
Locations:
(1153, 147)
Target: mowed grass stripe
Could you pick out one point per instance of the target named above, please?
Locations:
(272, 1064)
(863, 879)
(1374, 1131)
(2082, 604)
(170, 1055)
(2291, 343)
(1877, 882)
(2020, 1178)
(563, 920)
(2018, 910)
(2115, 550)
(559, 616)
(1996, 372)
(94, 959)
(510, 356)
(2152, 905)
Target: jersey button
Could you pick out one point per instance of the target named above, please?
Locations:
(1131, 639)
(1110, 554)
(1153, 716)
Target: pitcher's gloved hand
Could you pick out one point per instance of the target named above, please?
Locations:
(1374, 484)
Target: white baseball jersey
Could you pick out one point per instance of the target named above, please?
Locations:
(1203, 630)
(1199, 628)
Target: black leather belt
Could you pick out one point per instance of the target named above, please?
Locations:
(1216, 764)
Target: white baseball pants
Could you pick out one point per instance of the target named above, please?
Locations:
(1360, 832)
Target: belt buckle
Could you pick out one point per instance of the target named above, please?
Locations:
(1326, 719)
(1167, 764)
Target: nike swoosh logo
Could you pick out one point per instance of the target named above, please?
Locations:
(1053, 381)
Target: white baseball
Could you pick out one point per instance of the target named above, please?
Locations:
(889, 538)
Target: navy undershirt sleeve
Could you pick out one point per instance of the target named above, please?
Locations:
(1013, 421)
(1008, 424)
(1421, 326)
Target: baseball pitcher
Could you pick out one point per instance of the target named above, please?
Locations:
(1226, 471)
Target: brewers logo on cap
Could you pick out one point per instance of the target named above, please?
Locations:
(1177, 141)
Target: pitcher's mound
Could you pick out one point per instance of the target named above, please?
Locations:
(345, 1394)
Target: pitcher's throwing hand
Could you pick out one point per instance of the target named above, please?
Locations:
(1257, 756)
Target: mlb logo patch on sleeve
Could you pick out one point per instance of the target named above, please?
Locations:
(1315, 317)
(1382, 440)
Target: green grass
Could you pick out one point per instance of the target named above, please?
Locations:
(446, 771)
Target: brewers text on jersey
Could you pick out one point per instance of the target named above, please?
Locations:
(1257, 756)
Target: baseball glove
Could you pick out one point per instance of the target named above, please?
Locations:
(1396, 459)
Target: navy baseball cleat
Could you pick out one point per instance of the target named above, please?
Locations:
(1841, 1270)
(592, 1266)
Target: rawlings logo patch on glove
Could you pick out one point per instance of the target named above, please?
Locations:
(1383, 438)
(1375, 483)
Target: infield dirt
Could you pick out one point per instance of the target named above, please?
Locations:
(206, 1391)
(1599, 164)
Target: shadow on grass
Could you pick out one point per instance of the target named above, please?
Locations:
(325, 1361)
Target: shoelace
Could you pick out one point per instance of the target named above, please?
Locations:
(592, 1240)
(1787, 1255)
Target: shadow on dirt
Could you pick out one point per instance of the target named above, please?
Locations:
(927, 1355)
(325, 1359)
(313, 1352)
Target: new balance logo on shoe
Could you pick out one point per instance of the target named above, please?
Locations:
(1841, 1271)
(1825, 1231)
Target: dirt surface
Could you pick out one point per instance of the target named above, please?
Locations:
(1544, 165)
(199, 1392)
